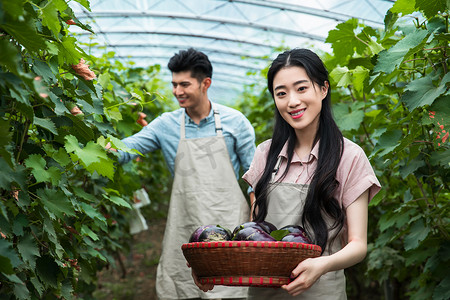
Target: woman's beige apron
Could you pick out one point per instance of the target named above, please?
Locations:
(285, 207)
(205, 191)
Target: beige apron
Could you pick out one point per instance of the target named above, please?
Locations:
(205, 191)
(286, 202)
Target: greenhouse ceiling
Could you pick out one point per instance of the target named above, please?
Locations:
(239, 36)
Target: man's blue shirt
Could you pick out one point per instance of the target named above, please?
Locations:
(164, 133)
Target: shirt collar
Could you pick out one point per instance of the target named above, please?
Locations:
(205, 120)
(314, 153)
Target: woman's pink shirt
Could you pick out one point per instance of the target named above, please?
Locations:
(354, 174)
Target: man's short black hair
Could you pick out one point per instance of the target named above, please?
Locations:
(191, 60)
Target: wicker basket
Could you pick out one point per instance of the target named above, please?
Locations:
(247, 263)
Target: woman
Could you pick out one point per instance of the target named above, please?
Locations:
(310, 175)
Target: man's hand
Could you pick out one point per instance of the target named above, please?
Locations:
(141, 119)
(108, 147)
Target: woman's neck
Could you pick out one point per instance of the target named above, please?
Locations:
(305, 142)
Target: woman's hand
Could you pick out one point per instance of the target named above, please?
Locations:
(309, 271)
(204, 287)
(306, 274)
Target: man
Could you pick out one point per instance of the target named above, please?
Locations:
(204, 145)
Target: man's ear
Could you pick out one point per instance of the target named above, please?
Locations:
(206, 83)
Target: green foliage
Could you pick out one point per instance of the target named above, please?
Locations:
(64, 201)
(404, 129)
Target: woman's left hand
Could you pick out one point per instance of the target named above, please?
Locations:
(306, 274)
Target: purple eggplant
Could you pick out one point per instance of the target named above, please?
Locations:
(296, 234)
(196, 234)
(296, 238)
(295, 229)
(252, 233)
(266, 226)
(214, 233)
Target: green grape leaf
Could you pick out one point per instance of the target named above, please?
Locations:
(104, 167)
(5, 265)
(404, 7)
(26, 35)
(342, 76)
(411, 167)
(443, 37)
(28, 249)
(52, 236)
(67, 290)
(87, 231)
(37, 285)
(360, 74)
(417, 234)
(92, 153)
(441, 158)
(37, 164)
(442, 290)
(20, 222)
(391, 58)
(387, 142)
(68, 52)
(50, 17)
(13, 8)
(85, 3)
(43, 69)
(119, 201)
(9, 254)
(345, 119)
(116, 144)
(422, 91)
(10, 56)
(9, 175)
(61, 157)
(343, 39)
(21, 291)
(46, 124)
(5, 140)
(80, 129)
(92, 212)
(104, 80)
(390, 19)
(60, 5)
(93, 157)
(432, 7)
(56, 203)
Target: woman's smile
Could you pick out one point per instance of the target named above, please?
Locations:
(298, 113)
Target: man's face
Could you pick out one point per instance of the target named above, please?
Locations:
(188, 91)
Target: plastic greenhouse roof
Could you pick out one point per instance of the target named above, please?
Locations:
(239, 36)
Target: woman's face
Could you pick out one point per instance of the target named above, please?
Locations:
(298, 99)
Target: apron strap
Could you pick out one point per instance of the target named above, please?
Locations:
(182, 125)
(217, 123)
(277, 168)
(219, 128)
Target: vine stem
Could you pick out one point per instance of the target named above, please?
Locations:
(25, 131)
(123, 103)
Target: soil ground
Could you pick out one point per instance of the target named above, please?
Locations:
(138, 282)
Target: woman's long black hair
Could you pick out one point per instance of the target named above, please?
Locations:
(319, 200)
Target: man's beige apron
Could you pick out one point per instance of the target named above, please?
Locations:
(205, 191)
(286, 202)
